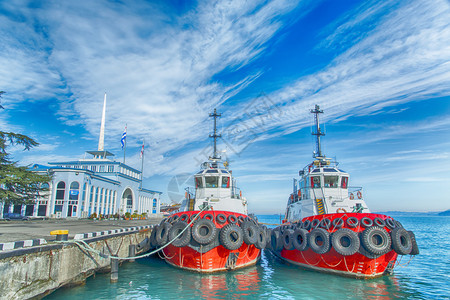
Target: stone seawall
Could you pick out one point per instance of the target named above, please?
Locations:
(37, 271)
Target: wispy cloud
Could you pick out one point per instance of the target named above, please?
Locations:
(405, 57)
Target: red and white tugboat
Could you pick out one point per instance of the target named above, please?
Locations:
(212, 230)
(328, 226)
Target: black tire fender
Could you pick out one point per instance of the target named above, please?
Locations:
(221, 218)
(379, 222)
(300, 239)
(261, 238)
(275, 240)
(315, 223)
(325, 223)
(338, 223)
(231, 236)
(401, 241)
(352, 222)
(390, 223)
(183, 239)
(345, 241)
(232, 219)
(306, 224)
(250, 232)
(376, 240)
(204, 231)
(287, 239)
(366, 222)
(162, 233)
(319, 240)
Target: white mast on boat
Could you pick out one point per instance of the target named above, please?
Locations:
(316, 111)
(215, 135)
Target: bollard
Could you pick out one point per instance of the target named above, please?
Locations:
(61, 235)
(114, 269)
(131, 251)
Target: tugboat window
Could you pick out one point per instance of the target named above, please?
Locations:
(331, 181)
(198, 182)
(344, 182)
(315, 181)
(225, 182)
(212, 181)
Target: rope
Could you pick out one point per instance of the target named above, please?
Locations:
(345, 262)
(87, 247)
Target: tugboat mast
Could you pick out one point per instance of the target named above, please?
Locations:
(215, 135)
(316, 111)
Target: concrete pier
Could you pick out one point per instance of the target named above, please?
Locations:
(37, 271)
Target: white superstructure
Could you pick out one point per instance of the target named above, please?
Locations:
(323, 188)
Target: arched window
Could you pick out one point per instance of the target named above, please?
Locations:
(60, 190)
(74, 191)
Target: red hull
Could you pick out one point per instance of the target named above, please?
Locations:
(211, 261)
(356, 265)
(216, 259)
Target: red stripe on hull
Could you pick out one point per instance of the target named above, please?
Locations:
(212, 261)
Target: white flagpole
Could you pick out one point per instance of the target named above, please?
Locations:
(142, 162)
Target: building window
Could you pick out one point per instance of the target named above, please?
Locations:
(74, 193)
(110, 169)
(155, 202)
(129, 202)
(83, 197)
(93, 169)
(60, 192)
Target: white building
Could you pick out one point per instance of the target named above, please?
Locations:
(91, 185)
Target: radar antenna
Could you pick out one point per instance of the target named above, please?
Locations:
(215, 135)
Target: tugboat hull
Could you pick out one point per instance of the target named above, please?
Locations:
(215, 241)
(362, 245)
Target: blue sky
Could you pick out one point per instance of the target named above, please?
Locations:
(379, 69)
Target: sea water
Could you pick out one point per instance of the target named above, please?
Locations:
(426, 276)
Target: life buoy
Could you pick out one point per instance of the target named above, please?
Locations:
(341, 210)
(366, 222)
(300, 239)
(359, 194)
(376, 240)
(401, 241)
(221, 218)
(261, 240)
(292, 197)
(250, 233)
(184, 238)
(287, 239)
(186, 195)
(345, 241)
(240, 194)
(351, 196)
(338, 223)
(204, 231)
(299, 194)
(319, 240)
(231, 237)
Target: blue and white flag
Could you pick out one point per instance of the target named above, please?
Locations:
(124, 136)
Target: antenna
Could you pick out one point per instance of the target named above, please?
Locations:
(316, 111)
(215, 135)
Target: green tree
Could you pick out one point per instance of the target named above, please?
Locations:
(18, 185)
